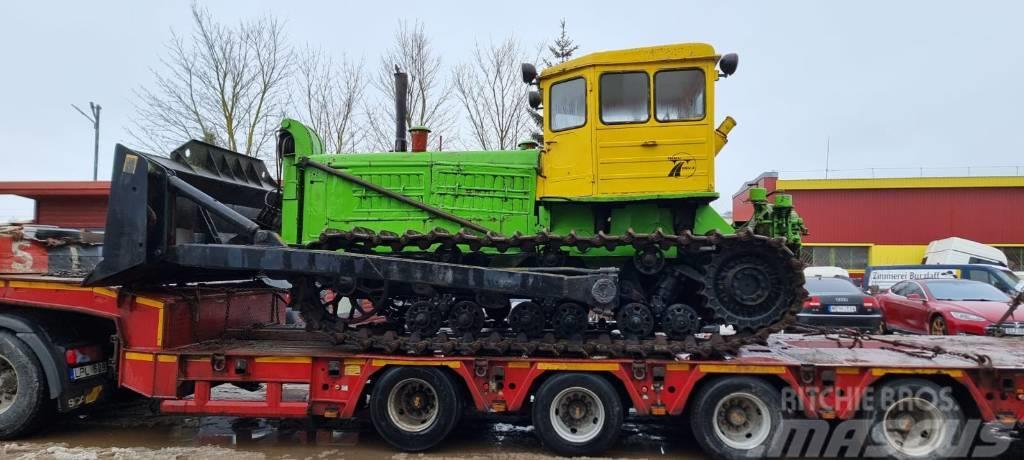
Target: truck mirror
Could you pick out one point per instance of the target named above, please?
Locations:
(534, 99)
(529, 73)
(728, 63)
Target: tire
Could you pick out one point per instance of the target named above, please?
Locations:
(590, 432)
(759, 406)
(937, 326)
(423, 422)
(24, 402)
(935, 414)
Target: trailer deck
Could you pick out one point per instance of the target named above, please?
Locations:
(176, 344)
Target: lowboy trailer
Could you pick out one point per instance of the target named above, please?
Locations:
(176, 344)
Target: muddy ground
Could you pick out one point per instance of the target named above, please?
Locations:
(132, 430)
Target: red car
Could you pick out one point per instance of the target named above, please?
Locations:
(947, 307)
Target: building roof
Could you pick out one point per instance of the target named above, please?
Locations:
(901, 183)
(39, 189)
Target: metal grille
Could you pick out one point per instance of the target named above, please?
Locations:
(848, 257)
(1014, 256)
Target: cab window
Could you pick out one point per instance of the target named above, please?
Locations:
(568, 104)
(679, 95)
(625, 97)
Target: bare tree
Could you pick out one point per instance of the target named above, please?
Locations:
(493, 95)
(225, 85)
(327, 96)
(429, 96)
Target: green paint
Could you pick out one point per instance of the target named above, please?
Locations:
(496, 190)
(707, 219)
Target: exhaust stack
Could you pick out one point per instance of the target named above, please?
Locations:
(401, 109)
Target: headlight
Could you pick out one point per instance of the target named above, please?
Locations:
(966, 316)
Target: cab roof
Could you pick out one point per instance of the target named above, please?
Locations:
(636, 55)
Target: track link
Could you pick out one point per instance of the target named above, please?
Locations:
(546, 246)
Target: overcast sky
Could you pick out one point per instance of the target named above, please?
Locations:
(888, 84)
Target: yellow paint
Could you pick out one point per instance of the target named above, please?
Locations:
(847, 371)
(519, 365)
(167, 358)
(609, 160)
(678, 367)
(353, 369)
(908, 182)
(134, 356)
(93, 394)
(159, 316)
(884, 254)
(61, 287)
(284, 359)
(399, 362)
(880, 371)
(578, 366)
(740, 369)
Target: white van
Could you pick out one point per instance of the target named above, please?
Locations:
(958, 251)
(826, 272)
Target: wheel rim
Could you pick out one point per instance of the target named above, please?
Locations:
(742, 421)
(413, 405)
(577, 414)
(8, 385)
(915, 427)
(635, 320)
(938, 326)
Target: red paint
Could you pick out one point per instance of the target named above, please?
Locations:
(67, 204)
(22, 256)
(912, 216)
(915, 312)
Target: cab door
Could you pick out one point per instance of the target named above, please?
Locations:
(567, 162)
(654, 132)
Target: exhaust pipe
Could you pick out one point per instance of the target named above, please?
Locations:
(401, 109)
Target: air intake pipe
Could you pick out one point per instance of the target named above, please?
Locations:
(401, 109)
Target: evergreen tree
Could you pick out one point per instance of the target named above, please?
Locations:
(560, 50)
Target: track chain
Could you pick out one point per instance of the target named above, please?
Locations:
(594, 343)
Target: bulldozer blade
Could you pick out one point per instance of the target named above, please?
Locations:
(200, 194)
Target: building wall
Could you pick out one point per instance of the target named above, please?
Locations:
(912, 216)
(88, 212)
(854, 223)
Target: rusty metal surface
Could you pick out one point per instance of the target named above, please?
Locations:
(1003, 352)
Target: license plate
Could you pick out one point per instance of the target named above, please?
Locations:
(1013, 330)
(843, 308)
(89, 370)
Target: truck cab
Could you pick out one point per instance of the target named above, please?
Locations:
(630, 123)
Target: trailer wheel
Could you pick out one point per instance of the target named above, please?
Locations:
(24, 404)
(577, 414)
(914, 419)
(733, 417)
(414, 408)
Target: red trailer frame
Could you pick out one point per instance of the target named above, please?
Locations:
(176, 345)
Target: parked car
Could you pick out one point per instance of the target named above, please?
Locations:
(836, 302)
(883, 277)
(947, 307)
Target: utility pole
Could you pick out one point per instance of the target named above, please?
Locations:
(95, 119)
(827, 152)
